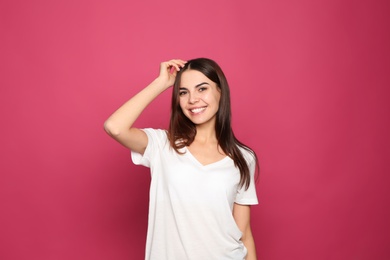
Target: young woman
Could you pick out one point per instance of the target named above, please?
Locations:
(202, 177)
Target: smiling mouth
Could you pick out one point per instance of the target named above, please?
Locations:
(197, 110)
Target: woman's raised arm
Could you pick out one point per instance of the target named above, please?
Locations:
(119, 124)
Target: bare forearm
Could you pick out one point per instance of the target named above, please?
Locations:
(123, 118)
(250, 246)
(241, 214)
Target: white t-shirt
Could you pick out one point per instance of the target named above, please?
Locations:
(190, 207)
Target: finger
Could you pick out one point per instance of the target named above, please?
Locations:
(175, 65)
(180, 63)
(172, 66)
(172, 69)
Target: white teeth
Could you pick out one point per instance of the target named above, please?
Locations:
(197, 110)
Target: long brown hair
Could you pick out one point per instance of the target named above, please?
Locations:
(182, 131)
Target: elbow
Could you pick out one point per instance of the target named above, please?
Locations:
(110, 128)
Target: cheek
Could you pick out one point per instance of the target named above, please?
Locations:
(216, 97)
(181, 103)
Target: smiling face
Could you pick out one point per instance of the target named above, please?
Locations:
(199, 97)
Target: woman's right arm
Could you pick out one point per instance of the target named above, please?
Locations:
(119, 124)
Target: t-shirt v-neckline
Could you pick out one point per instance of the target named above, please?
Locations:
(193, 158)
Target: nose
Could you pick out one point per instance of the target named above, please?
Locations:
(193, 98)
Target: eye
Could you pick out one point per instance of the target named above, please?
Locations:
(201, 89)
(182, 93)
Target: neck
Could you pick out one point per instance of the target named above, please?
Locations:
(205, 133)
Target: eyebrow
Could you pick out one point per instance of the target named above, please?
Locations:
(197, 86)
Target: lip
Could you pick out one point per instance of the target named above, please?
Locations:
(197, 110)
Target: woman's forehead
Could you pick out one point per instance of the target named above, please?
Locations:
(191, 78)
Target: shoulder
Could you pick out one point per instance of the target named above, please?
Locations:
(247, 153)
(156, 135)
(159, 132)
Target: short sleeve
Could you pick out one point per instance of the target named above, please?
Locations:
(249, 196)
(157, 138)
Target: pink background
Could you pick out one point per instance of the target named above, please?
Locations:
(310, 93)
